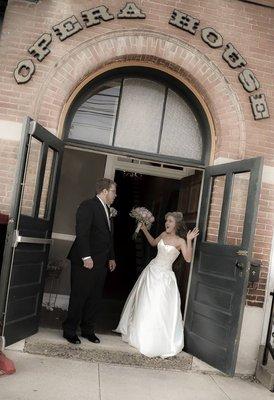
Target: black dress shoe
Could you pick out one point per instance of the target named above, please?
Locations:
(91, 337)
(72, 338)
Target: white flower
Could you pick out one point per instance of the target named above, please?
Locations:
(112, 212)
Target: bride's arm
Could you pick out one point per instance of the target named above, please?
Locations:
(153, 242)
(186, 246)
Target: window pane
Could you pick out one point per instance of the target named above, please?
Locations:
(31, 177)
(46, 189)
(95, 119)
(181, 136)
(237, 208)
(215, 209)
(140, 115)
(135, 115)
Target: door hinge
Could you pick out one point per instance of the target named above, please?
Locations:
(242, 252)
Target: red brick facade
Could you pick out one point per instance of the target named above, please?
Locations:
(8, 158)
(149, 41)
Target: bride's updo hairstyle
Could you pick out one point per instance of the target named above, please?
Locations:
(181, 229)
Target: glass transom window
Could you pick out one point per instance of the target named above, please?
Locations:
(139, 114)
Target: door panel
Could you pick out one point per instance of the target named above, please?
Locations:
(29, 232)
(221, 262)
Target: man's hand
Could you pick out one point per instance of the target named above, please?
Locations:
(111, 265)
(88, 263)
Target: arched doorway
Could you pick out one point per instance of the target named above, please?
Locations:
(149, 117)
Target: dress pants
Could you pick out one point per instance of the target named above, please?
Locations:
(85, 297)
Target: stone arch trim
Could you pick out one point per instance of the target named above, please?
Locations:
(135, 47)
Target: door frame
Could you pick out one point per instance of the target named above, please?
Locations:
(113, 164)
(110, 169)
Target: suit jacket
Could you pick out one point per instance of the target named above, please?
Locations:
(93, 236)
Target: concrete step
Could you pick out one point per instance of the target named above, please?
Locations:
(265, 373)
(111, 350)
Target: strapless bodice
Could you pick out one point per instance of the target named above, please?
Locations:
(166, 255)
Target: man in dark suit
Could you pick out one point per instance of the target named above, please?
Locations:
(90, 255)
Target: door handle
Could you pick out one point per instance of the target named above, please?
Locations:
(239, 265)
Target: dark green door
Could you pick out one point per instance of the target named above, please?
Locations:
(221, 262)
(29, 232)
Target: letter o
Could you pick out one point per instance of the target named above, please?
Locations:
(29, 66)
(212, 37)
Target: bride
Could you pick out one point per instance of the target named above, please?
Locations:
(151, 319)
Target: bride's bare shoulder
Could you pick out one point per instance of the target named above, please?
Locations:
(181, 240)
(164, 235)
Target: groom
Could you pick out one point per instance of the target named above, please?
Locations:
(90, 254)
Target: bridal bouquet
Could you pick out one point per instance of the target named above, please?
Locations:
(142, 216)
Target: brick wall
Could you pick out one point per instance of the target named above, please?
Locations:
(250, 28)
(8, 160)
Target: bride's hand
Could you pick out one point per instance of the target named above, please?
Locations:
(192, 234)
(143, 227)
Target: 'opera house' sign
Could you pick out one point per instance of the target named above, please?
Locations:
(94, 16)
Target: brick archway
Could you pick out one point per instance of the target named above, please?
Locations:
(160, 51)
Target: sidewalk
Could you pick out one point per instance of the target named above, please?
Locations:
(49, 378)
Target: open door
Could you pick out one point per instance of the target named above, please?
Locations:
(222, 261)
(29, 232)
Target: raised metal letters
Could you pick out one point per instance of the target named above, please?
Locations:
(131, 11)
(40, 50)
(259, 106)
(184, 21)
(67, 28)
(26, 66)
(249, 80)
(94, 15)
(211, 37)
(233, 57)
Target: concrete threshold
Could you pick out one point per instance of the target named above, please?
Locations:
(111, 350)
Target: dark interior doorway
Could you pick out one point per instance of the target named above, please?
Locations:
(159, 195)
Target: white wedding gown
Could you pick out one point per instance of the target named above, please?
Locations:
(151, 319)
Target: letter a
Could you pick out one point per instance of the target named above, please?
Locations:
(131, 11)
